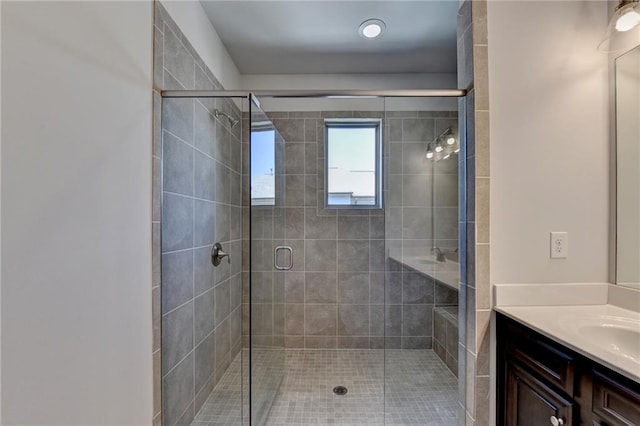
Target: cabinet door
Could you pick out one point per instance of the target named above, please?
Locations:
(530, 402)
(614, 402)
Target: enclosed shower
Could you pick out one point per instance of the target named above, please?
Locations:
(310, 258)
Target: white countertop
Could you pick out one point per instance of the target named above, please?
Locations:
(585, 329)
(447, 272)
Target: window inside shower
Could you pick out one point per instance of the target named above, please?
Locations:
(352, 164)
(263, 179)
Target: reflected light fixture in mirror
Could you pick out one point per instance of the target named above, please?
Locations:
(623, 32)
(429, 154)
(443, 146)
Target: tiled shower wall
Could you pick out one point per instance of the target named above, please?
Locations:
(422, 197)
(475, 287)
(334, 297)
(197, 165)
(267, 232)
(421, 211)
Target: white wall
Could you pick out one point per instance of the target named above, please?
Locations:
(76, 213)
(549, 140)
(192, 20)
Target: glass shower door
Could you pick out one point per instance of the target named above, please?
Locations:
(270, 259)
(422, 268)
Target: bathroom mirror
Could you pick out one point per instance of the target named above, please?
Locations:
(627, 72)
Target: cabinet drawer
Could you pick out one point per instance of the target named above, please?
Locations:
(614, 403)
(531, 402)
(543, 358)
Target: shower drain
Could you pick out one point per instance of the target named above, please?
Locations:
(340, 390)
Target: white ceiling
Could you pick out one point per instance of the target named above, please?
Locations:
(318, 37)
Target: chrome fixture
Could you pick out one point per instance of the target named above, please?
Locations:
(623, 32)
(395, 93)
(275, 258)
(372, 28)
(340, 390)
(440, 255)
(217, 254)
(444, 145)
(232, 121)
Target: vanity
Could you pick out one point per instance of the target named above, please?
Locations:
(560, 366)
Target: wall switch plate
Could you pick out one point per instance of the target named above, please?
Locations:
(559, 245)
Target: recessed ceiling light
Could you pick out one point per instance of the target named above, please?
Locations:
(371, 28)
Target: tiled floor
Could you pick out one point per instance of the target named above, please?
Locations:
(224, 405)
(420, 390)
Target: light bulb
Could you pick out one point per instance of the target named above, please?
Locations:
(439, 147)
(457, 150)
(628, 21)
(429, 155)
(372, 28)
(371, 31)
(446, 156)
(451, 140)
(623, 31)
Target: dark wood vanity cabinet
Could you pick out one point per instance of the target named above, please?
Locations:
(531, 402)
(541, 382)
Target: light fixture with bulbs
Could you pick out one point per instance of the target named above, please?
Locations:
(429, 154)
(372, 28)
(623, 32)
(443, 146)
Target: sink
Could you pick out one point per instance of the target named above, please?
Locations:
(621, 340)
(607, 334)
(620, 336)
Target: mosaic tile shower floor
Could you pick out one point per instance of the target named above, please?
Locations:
(420, 390)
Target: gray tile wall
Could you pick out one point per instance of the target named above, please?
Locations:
(267, 284)
(197, 201)
(445, 336)
(422, 194)
(421, 211)
(475, 286)
(334, 297)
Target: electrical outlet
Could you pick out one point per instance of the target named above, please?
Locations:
(559, 245)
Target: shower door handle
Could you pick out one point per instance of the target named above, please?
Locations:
(275, 258)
